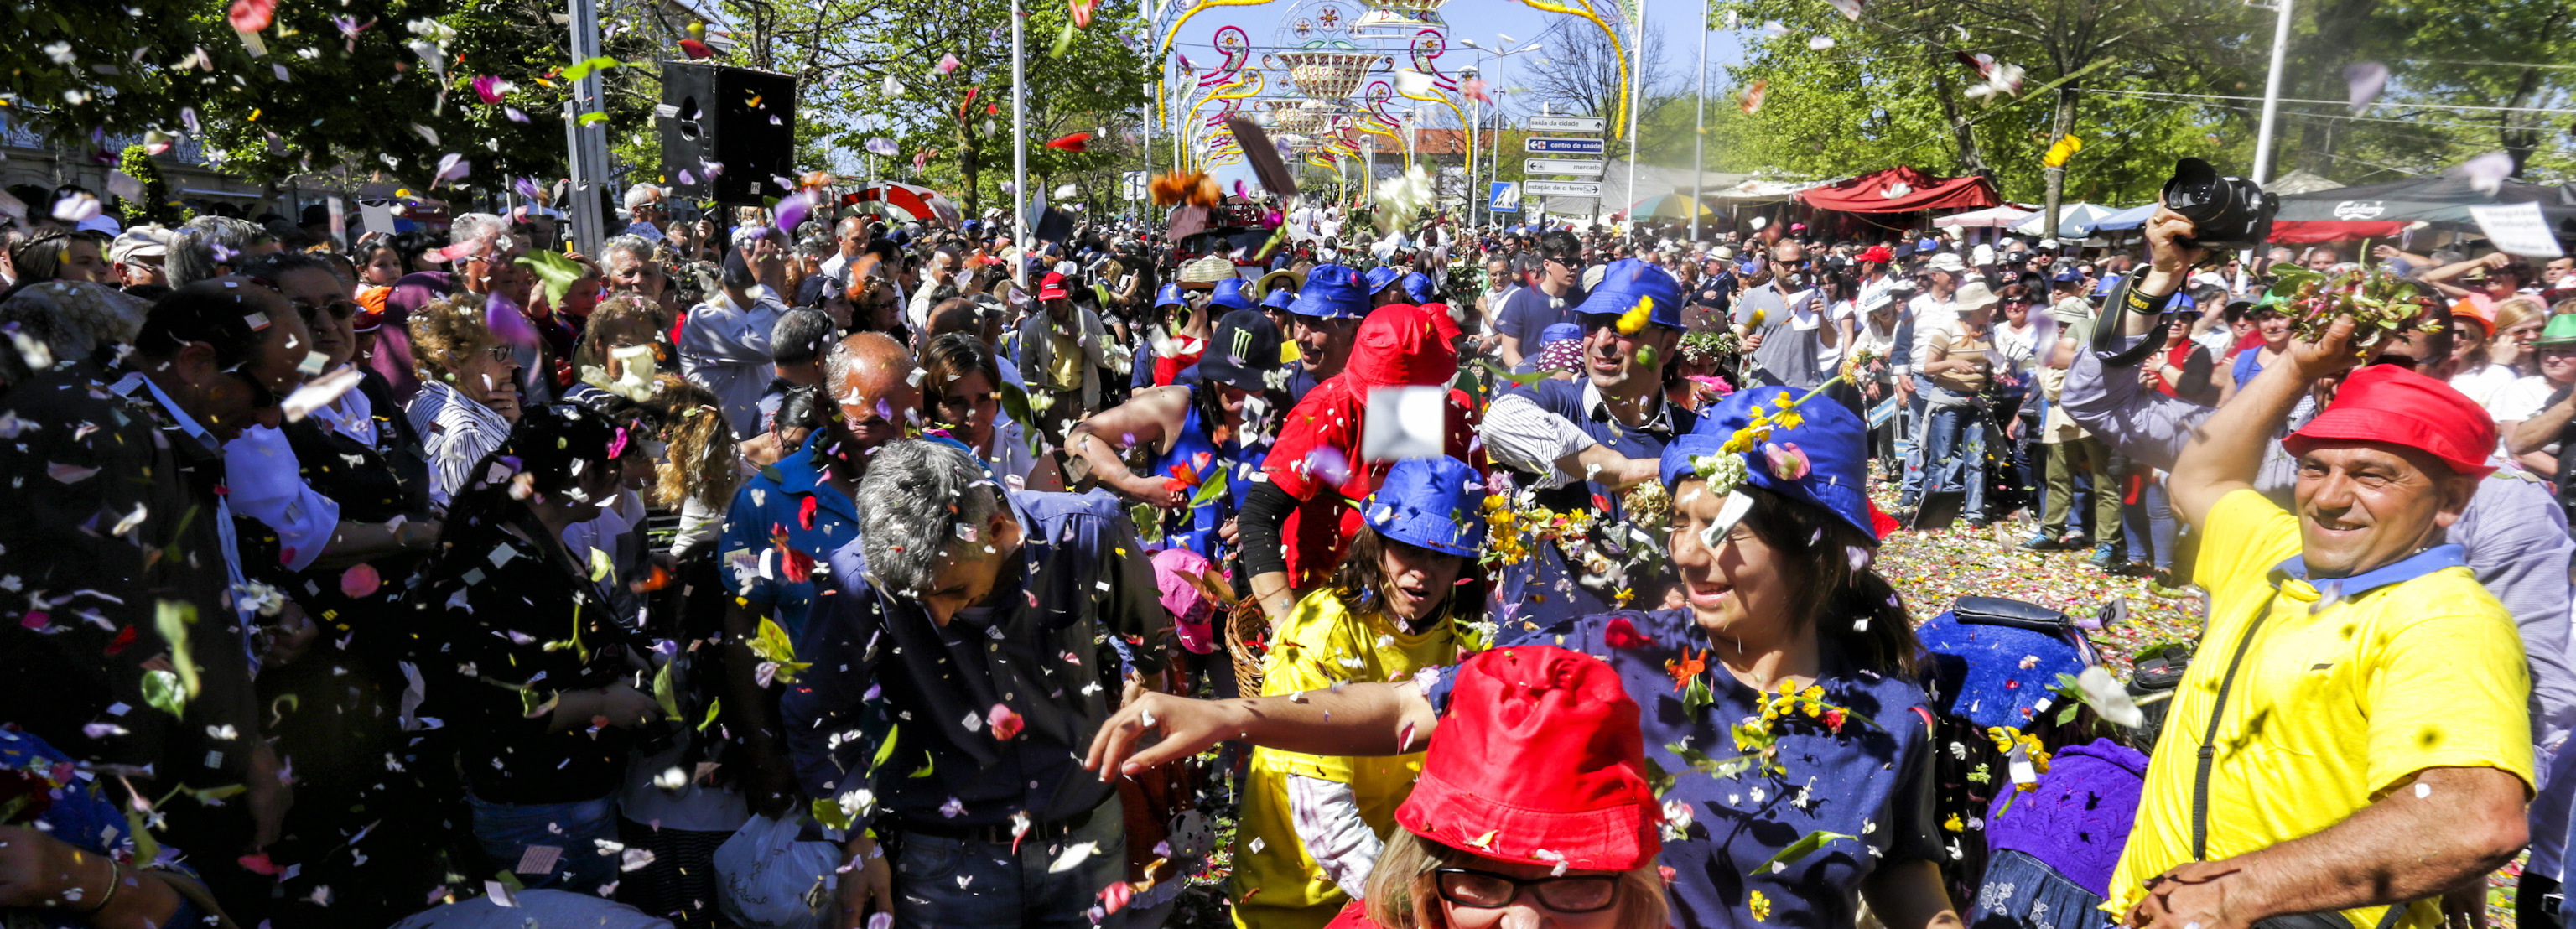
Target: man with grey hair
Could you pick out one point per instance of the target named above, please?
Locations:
(630, 266)
(975, 618)
(724, 342)
(212, 246)
(644, 208)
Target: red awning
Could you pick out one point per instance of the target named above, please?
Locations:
(2293, 232)
(1902, 189)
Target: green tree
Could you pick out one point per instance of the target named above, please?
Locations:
(74, 67)
(156, 205)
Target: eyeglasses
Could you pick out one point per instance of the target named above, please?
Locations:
(501, 353)
(341, 309)
(1485, 890)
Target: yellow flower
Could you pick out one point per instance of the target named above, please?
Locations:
(1782, 401)
(1759, 904)
(1636, 317)
(1953, 824)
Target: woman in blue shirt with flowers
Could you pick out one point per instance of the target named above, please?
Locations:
(1779, 699)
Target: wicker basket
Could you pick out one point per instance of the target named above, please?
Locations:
(1247, 635)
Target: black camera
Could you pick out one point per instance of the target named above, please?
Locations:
(2226, 213)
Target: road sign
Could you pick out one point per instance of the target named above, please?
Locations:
(1564, 123)
(1580, 167)
(1561, 188)
(1506, 197)
(1544, 145)
(1132, 184)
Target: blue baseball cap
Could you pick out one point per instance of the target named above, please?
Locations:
(1417, 286)
(2104, 289)
(1331, 291)
(1229, 294)
(1169, 295)
(1627, 281)
(2066, 274)
(1830, 437)
(1383, 276)
(1431, 502)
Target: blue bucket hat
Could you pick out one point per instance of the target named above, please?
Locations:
(1431, 502)
(1993, 674)
(1332, 292)
(1417, 287)
(1278, 298)
(1169, 295)
(1833, 440)
(1383, 276)
(1229, 294)
(1626, 281)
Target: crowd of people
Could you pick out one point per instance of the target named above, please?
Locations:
(1373, 570)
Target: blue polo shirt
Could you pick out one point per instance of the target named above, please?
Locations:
(1545, 588)
(1872, 783)
(772, 502)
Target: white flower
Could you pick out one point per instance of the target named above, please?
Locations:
(61, 53)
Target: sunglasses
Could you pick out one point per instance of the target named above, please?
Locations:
(1485, 890)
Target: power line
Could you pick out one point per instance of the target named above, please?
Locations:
(2344, 103)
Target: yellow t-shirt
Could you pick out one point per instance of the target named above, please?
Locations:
(2329, 710)
(1320, 644)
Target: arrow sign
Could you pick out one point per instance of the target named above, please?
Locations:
(1544, 145)
(1575, 166)
(1565, 123)
(1561, 188)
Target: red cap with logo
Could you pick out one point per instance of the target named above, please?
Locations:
(1051, 287)
(1876, 253)
(1540, 761)
(2395, 406)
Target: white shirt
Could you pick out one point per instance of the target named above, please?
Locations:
(1520, 433)
(724, 348)
(2484, 382)
(456, 432)
(263, 482)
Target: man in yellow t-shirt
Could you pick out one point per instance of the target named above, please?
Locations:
(2352, 739)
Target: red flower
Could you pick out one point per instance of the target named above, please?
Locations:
(696, 49)
(1072, 143)
(805, 512)
(252, 15)
(1834, 719)
(1621, 633)
(1005, 722)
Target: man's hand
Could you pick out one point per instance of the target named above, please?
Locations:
(867, 886)
(2168, 261)
(2330, 354)
(2193, 896)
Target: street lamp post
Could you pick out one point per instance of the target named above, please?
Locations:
(1500, 51)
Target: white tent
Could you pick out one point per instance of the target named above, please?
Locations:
(2074, 221)
(1993, 217)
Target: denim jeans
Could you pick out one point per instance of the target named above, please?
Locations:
(980, 885)
(1955, 456)
(1916, 424)
(2152, 529)
(507, 832)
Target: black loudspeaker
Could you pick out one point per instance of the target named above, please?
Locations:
(742, 119)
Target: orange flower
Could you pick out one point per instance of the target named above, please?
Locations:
(1686, 667)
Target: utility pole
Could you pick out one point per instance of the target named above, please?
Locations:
(1020, 128)
(1699, 123)
(588, 144)
(1636, 94)
(2271, 97)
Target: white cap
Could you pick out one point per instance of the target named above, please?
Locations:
(1982, 256)
(2047, 245)
(1948, 261)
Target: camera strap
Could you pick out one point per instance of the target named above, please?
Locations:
(2106, 330)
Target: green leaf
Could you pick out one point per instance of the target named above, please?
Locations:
(592, 117)
(663, 692)
(2288, 278)
(828, 812)
(1799, 849)
(1210, 489)
(162, 690)
(582, 69)
(172, 620)
(1521, 379)
(1660, 779)
(557, 271)
(713, 707)
(1063, 41)
(1016, 402)
(1148, 520)
(1698, 698)
(884, 751)
(773, 645)
(1984, 774)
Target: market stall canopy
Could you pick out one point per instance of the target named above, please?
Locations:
(1902, 189)
(1751, 191)
(2300, 182)
(1670, 206)
(901, 201)
(2074, 221)
(2386, 209)
(2132, 218)
(1989, 218)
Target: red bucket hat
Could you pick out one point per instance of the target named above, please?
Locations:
(1401, 343)
(1539, 761)
(2387, 403)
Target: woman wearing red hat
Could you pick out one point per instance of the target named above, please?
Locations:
(1780, 697)
(1535, 807)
